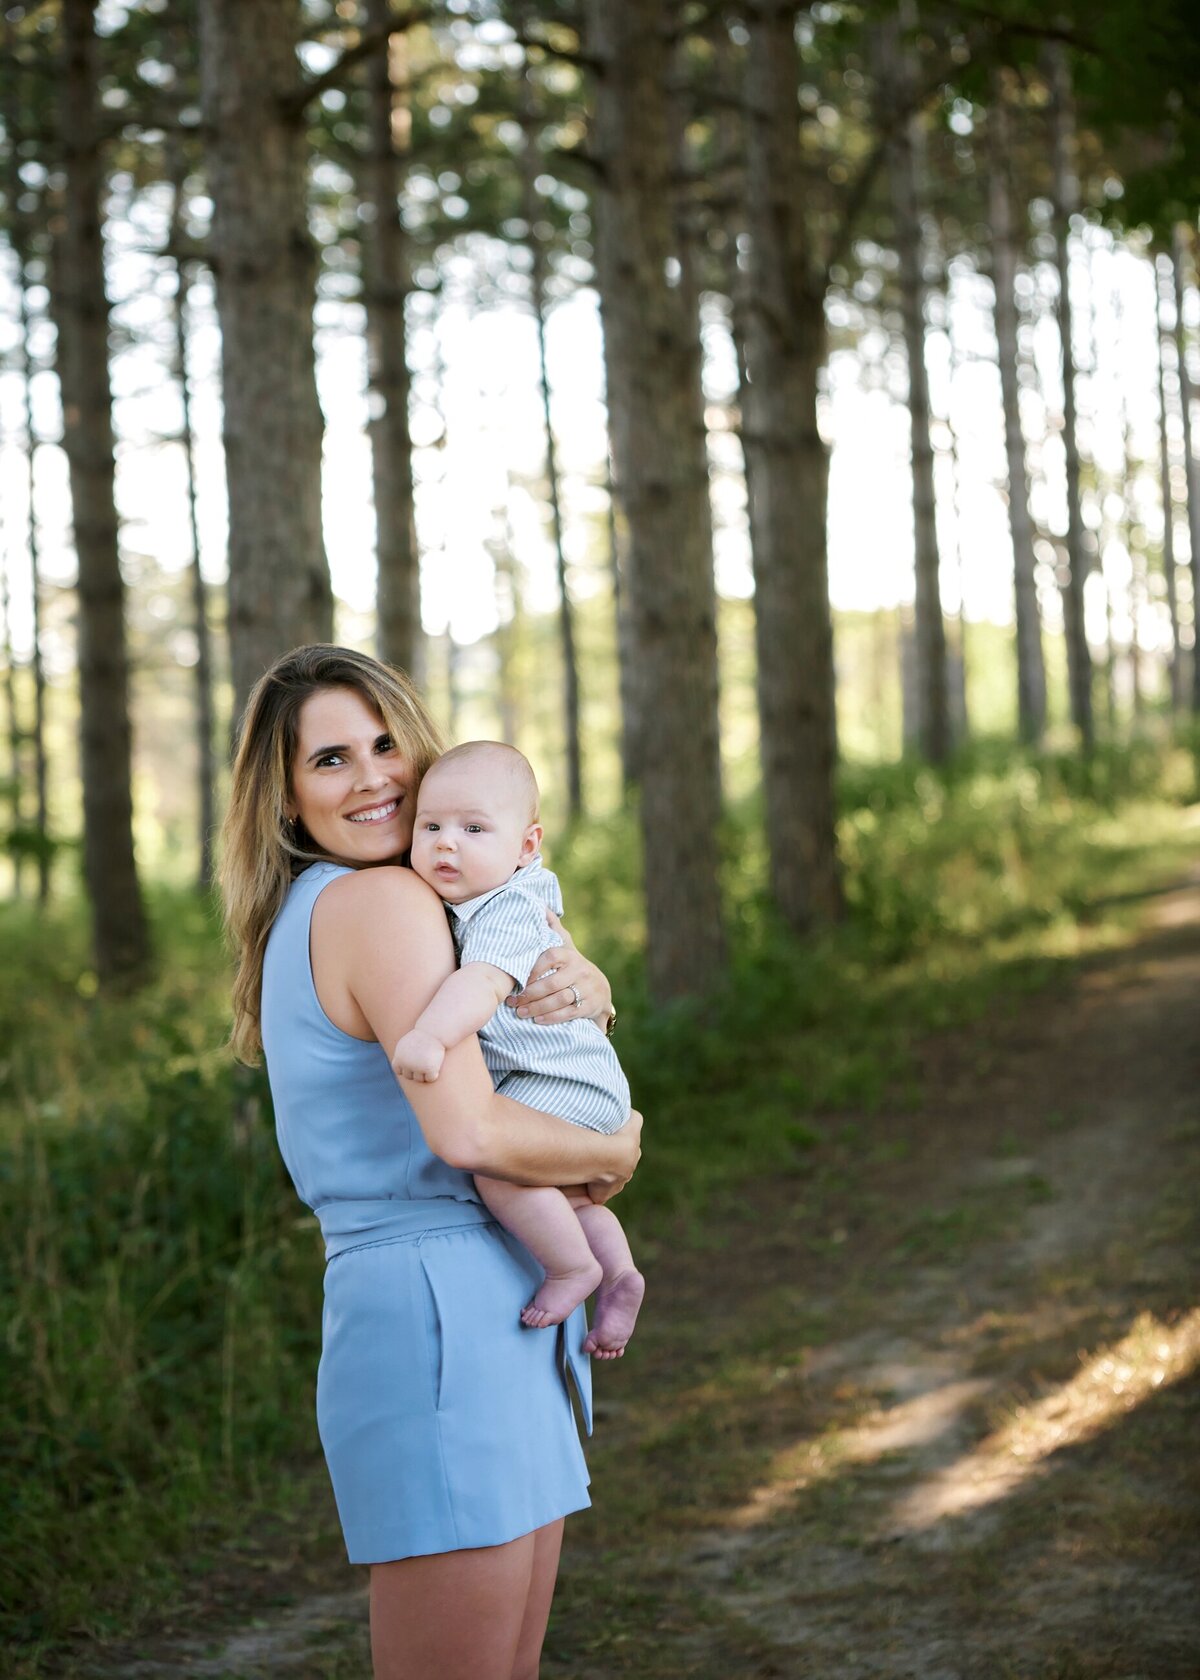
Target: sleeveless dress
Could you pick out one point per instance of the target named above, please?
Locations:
(445, 1423)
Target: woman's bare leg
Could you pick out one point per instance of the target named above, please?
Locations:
(547, 1546)
(456, 1615)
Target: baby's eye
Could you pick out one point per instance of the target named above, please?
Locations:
(430, 827)
(474, 828)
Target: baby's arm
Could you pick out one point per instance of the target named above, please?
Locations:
(463, 1003)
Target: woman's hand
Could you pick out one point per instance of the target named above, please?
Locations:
(603, 1189)
(559, 975)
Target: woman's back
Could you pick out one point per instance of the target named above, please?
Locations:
(346, 1132)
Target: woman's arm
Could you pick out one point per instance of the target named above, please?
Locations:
(381, 947)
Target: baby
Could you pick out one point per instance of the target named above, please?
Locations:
(476, 842)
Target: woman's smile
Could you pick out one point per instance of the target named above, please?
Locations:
(375, 813)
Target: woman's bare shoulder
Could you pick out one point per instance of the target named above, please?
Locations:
(386, 893)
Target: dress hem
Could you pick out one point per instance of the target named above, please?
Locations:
(385, 1554)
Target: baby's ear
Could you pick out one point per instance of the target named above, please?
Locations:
(530, 844)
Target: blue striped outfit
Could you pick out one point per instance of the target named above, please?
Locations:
(569, 1069)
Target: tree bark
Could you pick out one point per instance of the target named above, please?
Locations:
(566, 615)
(1031, 667)
(41, 814)
(652, 352)
(121, 940)
(787, 474)
(896, 77)
(508, 627)
(264, 265)
(15, 790)
(385, 290)
(1168, 504)
(1192, 475)
(1066, 193)
(627, 672)
(205, 734)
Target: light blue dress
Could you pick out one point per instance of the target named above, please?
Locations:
(445, 1423)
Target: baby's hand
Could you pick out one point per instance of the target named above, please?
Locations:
(418, 1056)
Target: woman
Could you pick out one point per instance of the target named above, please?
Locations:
(446, 1426)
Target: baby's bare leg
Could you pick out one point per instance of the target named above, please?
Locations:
(622, 1285)
(543, 1220)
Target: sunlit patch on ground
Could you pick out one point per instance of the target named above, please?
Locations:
(1109, 1384)
(917, 1421)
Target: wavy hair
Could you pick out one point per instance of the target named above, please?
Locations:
(262, 851)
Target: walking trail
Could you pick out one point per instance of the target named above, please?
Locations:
(927, 1408)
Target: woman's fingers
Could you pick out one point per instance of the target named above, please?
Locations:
(557, 1005)
(601, 1190)
(564, 986)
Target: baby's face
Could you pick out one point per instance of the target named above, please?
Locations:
(472, 830)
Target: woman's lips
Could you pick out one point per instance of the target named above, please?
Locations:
(374, 813)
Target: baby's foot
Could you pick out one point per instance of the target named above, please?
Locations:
(560, 1295)
(617, 1306)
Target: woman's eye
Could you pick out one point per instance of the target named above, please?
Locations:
(329, 758)
(384, 744)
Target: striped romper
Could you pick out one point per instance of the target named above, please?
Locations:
(569, 1069)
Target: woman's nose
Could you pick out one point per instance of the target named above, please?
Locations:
(370, 774)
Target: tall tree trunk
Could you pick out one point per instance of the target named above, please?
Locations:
(1031, 667)
(1189, 459)
(1110, 661)
(956, 646)
(385, 290)
(566, 613)
(508, 626)
(652, 352)
(627, 670)
(16, 754)
(121, 938)
(454, 696)
(205, 733)
(41, 815)
(1131, 540)
(787, 471)
(902, 151)
(263, 261)
(1168, 504)
(1066, 194)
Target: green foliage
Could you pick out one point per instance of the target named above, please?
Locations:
(161, 1293)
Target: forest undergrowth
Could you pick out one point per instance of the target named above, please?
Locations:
(162, 1281)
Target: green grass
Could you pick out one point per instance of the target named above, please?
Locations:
(163, 1283)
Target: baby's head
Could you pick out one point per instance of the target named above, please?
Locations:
(477, 820)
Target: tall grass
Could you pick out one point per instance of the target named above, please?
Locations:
(162, 1281)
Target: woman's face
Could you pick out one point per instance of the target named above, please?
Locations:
(351, 788)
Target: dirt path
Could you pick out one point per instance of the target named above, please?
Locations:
(930, 1408)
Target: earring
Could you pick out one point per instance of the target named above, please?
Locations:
(290, 833)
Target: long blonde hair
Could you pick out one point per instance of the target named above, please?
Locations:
(261, 850)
